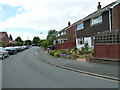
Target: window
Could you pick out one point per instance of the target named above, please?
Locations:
(81, 41)
(62, 41)
(64, 32)
(58, 34)
(80, 26)
(96, 20)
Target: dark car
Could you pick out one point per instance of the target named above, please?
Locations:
(18, 48)
(11, 50)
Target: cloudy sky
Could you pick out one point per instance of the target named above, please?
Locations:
(29, 18)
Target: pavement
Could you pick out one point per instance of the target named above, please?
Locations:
(97, 68)
(27, 70)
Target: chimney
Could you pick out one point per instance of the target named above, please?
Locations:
(68, 23)
(99, 6)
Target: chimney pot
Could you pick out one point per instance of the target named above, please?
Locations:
(99, 6)
(69, 24)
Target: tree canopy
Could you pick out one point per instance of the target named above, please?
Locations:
(18, 39)
(51, 36)
(36, 40)
(27, 42)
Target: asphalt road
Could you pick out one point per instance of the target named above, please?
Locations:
(26, 70)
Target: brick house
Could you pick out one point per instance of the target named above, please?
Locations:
(66, 38)
(104, 19)
(84, 30)
(4, 39)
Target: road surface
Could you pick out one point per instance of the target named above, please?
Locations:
(26, 70)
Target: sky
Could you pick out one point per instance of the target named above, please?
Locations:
(30, 18)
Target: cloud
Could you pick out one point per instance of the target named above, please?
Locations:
(43, 15)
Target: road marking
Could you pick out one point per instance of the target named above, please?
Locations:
(36, 53)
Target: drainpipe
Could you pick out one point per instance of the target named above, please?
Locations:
(75, 37)
(110, 21)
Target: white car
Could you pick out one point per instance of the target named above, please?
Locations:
(3, 53)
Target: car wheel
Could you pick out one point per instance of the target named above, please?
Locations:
(3, 57)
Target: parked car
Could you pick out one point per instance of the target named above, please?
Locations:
(11, 50)
(18, 48)
(3, 53)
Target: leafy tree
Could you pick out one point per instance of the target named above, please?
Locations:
(51, 36)
(40, 42)
(19, 41)
(28, 42)
(36, 40)
(45, 44)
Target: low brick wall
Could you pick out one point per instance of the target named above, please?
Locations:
(66, 45)
(108, 51)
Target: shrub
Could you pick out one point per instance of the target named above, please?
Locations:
(45, 44)
(63, 51)
(52, 52)
(82, 56)
(57, 54)
(86, 50)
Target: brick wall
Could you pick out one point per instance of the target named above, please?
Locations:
(89, 30)
(107, 51)
(71, 34)
(65, 45)
(107, 45)
(116, 18)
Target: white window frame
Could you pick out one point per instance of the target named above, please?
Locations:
(80, 26)
(64, 32)
(96, 20)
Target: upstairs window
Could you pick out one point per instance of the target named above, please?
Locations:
(96, 20)
(80, 26)
(64, 32)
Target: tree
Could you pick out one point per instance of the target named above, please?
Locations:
(19, 41)
(36, 40)
(40, 42)
(45, 44)
(28, 42)
(51, 36)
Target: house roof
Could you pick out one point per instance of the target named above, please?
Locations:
(2, 34)
(96, 13)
